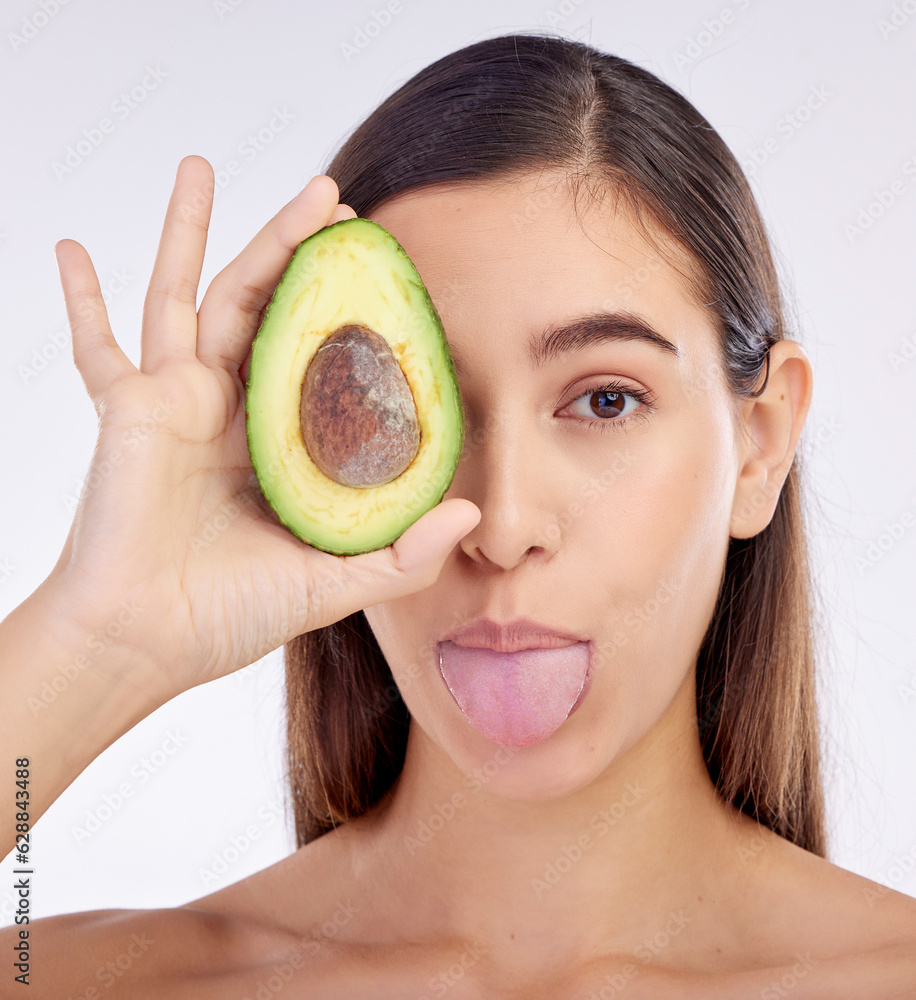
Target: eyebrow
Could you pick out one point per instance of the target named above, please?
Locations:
(588, 331)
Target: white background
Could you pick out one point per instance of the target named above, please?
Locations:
(212, 795)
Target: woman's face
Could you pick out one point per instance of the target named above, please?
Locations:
(604, 518)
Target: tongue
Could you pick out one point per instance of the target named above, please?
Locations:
(514, 699)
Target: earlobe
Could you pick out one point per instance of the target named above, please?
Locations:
(770, 427)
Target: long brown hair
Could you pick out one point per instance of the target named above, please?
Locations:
(525, 102)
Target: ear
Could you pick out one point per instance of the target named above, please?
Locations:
(769, 429)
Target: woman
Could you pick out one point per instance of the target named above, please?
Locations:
(639, 812)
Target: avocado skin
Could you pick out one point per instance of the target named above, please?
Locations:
(353, 271)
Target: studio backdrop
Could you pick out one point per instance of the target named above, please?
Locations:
(102, 99)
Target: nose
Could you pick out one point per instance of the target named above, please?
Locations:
(506, 471)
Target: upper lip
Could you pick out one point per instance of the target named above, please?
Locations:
(509, 637)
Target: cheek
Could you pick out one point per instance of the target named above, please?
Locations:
(401, 629)
(646, 526)
(391, 623)
(655, 551)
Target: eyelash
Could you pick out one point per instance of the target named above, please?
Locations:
(643, 396)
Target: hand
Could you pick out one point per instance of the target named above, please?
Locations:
(173, 553)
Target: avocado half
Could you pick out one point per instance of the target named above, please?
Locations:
(352, 274)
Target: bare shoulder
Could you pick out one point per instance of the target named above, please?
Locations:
(792, 924)
(140, 954)
(232, 943)
(853, 906)
(877, 929)
(833, 929)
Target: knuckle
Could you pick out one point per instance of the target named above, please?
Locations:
(85, 309)
(178, 287)
(250, 299)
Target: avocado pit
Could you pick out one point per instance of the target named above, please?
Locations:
(357, 414)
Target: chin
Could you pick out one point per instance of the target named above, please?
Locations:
(553, 769)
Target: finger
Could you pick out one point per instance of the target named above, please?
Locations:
(411, 563)
(98, 358)
(340, 213)
(434, 535)
(330, 587)
(170, 309)
(231, 310)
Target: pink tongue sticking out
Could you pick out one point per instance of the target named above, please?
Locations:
(514, 699)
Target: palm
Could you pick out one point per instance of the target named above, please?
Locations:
(173, 550)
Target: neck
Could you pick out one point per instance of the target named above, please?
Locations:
(631, 857)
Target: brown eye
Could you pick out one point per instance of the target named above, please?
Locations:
(604, 403)
(606, 406)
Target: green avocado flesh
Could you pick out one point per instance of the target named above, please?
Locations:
(351, 287)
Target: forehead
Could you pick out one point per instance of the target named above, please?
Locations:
(511, 254)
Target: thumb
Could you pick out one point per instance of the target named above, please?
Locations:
(429, 540)
(409, 564)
